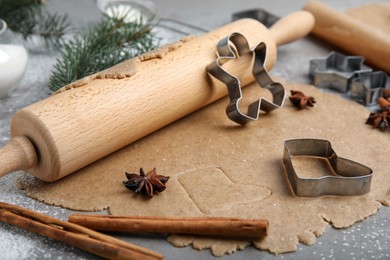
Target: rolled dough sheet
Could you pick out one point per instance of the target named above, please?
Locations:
(218, 168)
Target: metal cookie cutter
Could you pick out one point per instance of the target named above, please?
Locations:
(225, 52)
(336, 70)
(261, 15)
(350, 178)
(367, 87)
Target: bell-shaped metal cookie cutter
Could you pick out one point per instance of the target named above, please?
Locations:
(367, 87)
(350, 178)
(336, 70)
(241, 47)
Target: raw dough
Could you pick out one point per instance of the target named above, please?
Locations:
(218, 168)
(128, 68)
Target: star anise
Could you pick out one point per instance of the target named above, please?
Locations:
(146, 183)
(300, 100)
(379, 120)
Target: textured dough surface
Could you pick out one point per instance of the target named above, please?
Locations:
(217, 168)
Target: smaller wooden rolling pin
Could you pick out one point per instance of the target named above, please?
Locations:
(104, 112)
(206, 226)
(350, 34)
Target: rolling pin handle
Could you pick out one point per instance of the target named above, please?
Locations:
(292, 27)
(18, 154)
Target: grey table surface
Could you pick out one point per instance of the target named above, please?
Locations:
(369, 239)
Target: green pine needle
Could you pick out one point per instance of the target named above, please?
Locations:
(108, 43)
(29, 18)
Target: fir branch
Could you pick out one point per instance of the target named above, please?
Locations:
(29, 18)
(108, 43)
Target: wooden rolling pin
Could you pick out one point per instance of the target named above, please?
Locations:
(350, 34)
(104, 112)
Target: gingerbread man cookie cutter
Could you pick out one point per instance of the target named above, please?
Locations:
(241, 47)
(349, 178)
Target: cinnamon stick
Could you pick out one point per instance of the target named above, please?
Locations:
(383, 103)
(73, 234)
(210, 226)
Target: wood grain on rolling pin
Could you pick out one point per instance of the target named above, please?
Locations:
(81, 125)
(109, 110)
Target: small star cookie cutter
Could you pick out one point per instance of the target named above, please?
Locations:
(231, 47)
(350, 178)
(367, 87)
(336, 70)
(261, 15)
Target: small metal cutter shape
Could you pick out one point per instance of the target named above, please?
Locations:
(241, 47)
(261, 15)
(350, 178)
(367, 87)
(336, 71)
